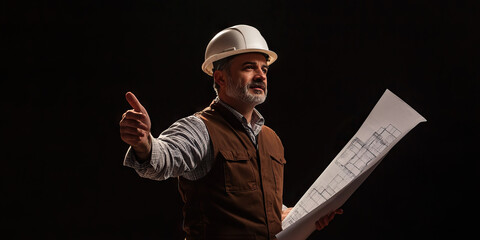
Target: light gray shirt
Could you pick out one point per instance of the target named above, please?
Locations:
(185, 149)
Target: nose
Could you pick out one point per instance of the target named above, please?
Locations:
(260, 75)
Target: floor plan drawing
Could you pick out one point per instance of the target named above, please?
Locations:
(359, 154)
(388, 122)
(352, 161)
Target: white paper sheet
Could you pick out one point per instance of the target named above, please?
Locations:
(387, 123)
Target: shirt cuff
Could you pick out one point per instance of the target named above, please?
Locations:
(130, 159)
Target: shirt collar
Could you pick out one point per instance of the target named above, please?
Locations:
(256, 122)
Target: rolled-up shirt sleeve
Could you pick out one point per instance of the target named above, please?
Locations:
(180, 150)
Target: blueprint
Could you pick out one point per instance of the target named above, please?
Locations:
(387, 123)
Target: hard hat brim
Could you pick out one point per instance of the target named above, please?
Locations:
(207, 66)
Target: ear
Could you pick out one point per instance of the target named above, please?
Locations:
(219, 78)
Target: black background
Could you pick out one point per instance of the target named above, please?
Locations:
(67, 66)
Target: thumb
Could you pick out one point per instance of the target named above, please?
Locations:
(133, 101)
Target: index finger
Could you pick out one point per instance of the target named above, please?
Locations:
(133, 101)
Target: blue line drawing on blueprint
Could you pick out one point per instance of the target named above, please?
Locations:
(352, 161)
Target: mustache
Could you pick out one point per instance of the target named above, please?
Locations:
(258, 85)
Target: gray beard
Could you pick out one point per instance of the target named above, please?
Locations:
(242, 93)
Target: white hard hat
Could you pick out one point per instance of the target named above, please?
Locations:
(235, 40)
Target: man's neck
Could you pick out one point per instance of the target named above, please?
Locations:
(245, 109)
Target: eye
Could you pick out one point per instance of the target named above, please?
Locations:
(249, 67)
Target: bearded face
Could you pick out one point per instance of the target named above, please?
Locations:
(254, 92)
(247, 79)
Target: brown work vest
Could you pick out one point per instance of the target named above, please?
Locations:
(241, 196)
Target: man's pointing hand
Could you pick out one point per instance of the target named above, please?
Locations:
(135, 127)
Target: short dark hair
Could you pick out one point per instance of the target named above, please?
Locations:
(222, 64)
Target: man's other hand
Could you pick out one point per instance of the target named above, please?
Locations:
(323, 222)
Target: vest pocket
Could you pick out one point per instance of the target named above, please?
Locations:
(277, 168)
(238, 172)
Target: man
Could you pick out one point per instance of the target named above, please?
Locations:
(228, 163)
